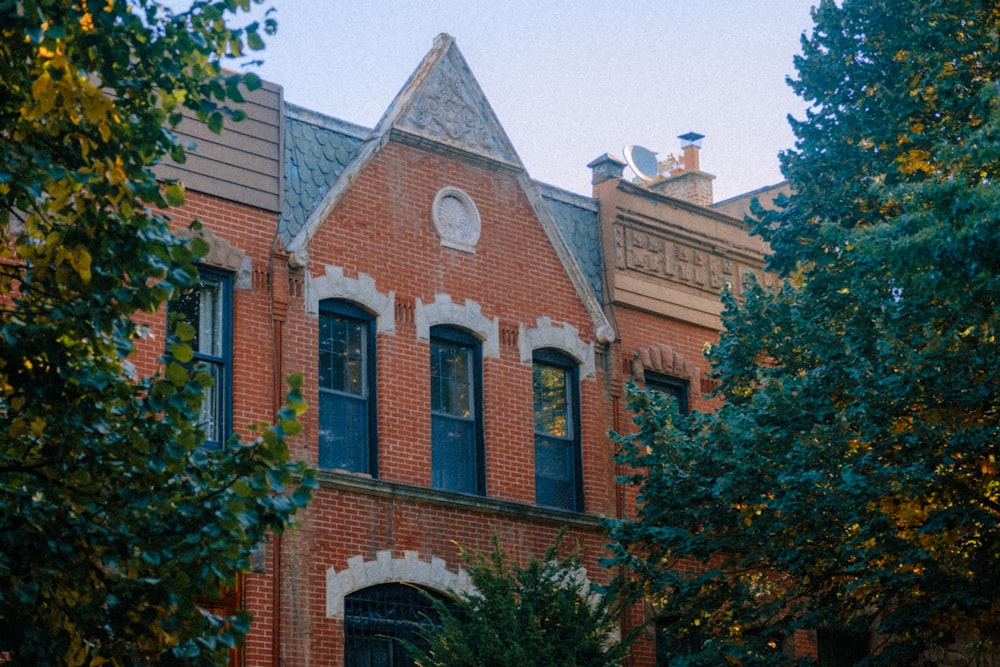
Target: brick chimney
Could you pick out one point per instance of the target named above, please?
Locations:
(688, 182)
(691, 145)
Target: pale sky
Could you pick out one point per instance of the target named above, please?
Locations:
(569, 81)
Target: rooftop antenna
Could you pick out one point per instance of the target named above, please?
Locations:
(642, 161)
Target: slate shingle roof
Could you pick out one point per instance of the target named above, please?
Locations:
(576, 218)
(317, 148)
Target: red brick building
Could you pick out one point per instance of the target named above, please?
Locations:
(464, 331)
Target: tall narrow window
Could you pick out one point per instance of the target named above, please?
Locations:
(558, 468)
(207, 306)
(346, 388)
(456, 412)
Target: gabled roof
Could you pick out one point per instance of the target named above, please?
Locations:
(576, 216)
(441, 107)
(317, 148)
(443, 103)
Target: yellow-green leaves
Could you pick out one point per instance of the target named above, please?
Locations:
(174, 194)
(182, 352)
(114, 515)
(177, 374)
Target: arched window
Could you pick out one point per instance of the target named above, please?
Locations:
(456, 411)
(347, 417)
(558, 465)
(377, 617)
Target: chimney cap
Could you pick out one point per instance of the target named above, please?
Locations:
(691, 139)
(606, 167)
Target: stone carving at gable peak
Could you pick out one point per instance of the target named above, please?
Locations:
(444, 112)
(451, 109)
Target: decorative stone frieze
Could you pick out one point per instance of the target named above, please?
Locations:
(661, 257)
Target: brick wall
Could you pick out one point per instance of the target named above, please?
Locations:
(383, 228)
(246, 232)
(641, 331)
(249, 231)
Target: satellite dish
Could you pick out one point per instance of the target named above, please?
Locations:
(642, 161)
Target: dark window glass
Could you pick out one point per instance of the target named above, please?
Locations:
(670, 649)
(346, 389)
(840, 649)
(376, 618)
(456, 422)
(207, 307)
(557, 441)
(679, 650)
(669, 386)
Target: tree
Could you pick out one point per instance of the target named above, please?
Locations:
(543, 613)
(113, 516)
(849, 481)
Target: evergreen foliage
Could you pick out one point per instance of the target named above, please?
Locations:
(113, 516)
(543, 614)
(850, 480)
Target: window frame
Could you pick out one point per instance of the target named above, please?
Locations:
(555, 358)
(378, 616)
(669, 385)
(454, 336)
(348, 310)
(222, 364)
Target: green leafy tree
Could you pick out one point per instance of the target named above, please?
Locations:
(850, 480)
(113, 516)
(543, 614)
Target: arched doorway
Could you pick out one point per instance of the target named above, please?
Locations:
(376, 618)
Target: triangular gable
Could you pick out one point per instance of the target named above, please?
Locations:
(442, 104)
